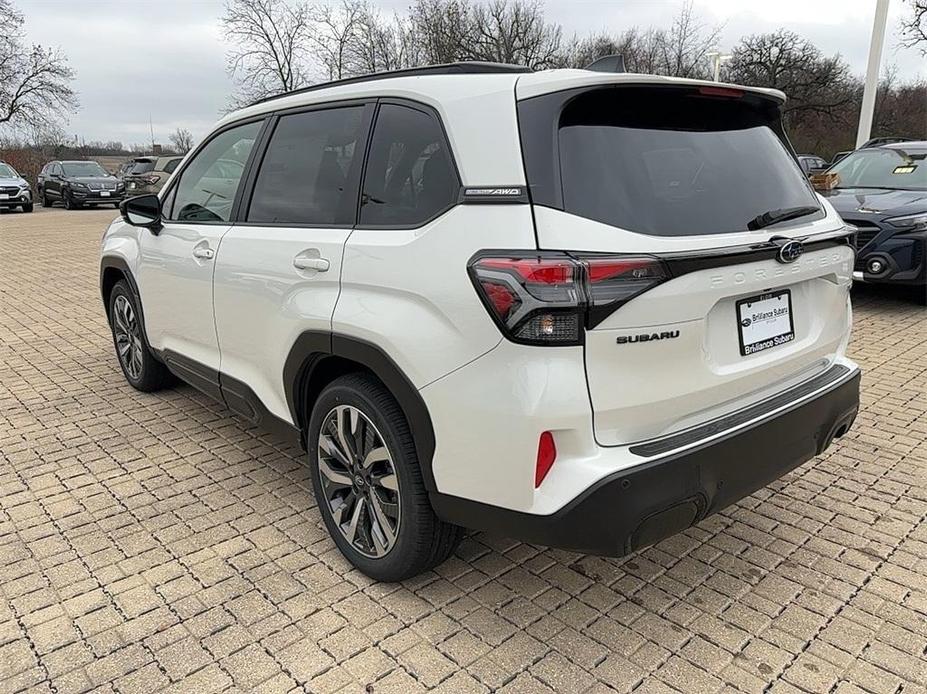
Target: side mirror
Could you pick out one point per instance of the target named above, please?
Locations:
(143, 211)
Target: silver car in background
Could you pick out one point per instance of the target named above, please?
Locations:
(15, 190)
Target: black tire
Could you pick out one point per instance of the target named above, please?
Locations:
(27, 207)
(422, 540)
(45, 200)
(147, 374)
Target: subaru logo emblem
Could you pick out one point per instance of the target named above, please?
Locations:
(790, 252)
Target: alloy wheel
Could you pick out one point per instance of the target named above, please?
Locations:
(361, 488)
(128, 337)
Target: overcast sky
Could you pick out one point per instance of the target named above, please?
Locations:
(165, 59)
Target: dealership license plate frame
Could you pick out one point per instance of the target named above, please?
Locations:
(773, 340)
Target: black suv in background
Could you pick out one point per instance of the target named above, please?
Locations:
(79, 183)
(882, 191)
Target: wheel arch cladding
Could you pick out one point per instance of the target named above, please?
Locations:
(316, 358)
(112, 270)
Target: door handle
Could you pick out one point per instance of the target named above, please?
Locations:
(204, 253)
(304, 263)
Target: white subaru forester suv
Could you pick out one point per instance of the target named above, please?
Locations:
(577, 308)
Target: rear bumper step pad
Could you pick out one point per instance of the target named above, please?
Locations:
(665, 444)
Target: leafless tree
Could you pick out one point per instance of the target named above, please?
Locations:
(580, 52)
(270, 41)
(679, 51)
(514, 31)
(914, 26)
(337, 36)
(35, 82)
(814, 83)
(442, 30)
(507, 31)
(384, 44)
(181, 140)
(685, 44)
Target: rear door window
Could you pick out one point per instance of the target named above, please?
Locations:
(410, 177)
(665, 162)
(304, 177)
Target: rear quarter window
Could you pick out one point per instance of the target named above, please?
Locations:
(410, 176)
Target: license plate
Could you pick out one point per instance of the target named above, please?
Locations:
(765, 321)
(132, 185)
(4, 196)
(104, 193)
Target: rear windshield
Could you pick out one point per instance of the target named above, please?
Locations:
(665, 161)
(140, 167)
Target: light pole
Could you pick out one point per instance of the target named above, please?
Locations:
(717, 59)
(872, 72)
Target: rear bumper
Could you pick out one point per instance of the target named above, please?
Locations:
(639, 506)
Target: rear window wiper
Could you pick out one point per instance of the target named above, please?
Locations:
(774, 216)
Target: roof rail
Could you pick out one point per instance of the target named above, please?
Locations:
(469, 67)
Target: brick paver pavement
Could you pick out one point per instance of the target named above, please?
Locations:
(155, 541)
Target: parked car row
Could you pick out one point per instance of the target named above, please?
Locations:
(75, 184)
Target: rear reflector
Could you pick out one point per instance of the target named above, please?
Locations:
(547, 454)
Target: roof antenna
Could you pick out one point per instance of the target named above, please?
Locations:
(608, 63)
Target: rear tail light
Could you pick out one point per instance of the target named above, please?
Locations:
(535, 299)
(546, 298)
(613, 281)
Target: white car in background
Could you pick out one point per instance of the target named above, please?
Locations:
(15, 190)
(581, 309)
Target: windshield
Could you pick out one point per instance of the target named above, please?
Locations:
(83, 169)
(893, 168)
(141, 167)
(670, 162)
(7, 172)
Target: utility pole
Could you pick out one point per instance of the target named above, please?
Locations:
(872, 72)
